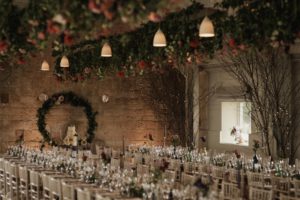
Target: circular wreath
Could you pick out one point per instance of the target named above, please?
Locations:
(64, 98)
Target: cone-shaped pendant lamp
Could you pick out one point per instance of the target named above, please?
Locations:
(45, 66)
(159, 39)
(64, 62)
(206, 28)
(106, 50)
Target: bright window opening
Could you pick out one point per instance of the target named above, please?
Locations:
(236, 123)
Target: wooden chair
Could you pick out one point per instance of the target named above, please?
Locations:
(7, 178)
(35, 185)
(67, 191)
(101, 197)
(83, 194)
(188, 167)
(187, 179)
(24, 183)
(2, 175)
(14, 169)
(142, 169)
(255, 179)
(286, 197)
(46, 186)
(260, 194)
(234, 176)
(174, 164)
(170, 175)
(280, 185)
(55, 188)
(115, 163)
(217, 174)
(296, 184)
(230, 191)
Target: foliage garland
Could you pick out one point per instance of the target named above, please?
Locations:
(64, 98)
(27, 29)
(238, 23)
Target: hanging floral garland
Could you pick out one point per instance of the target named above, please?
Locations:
(66, 98)
(238, 24)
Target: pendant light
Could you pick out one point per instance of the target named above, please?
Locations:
(45, 66)
(206, 28)
(64, 62)
(159, 39)
(106, 50)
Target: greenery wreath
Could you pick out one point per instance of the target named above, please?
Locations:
(64, 98)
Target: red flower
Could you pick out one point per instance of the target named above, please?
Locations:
(231, 43)
(21, 61)
(3, 46)
(242, 47)
(194, 43)
(154, 17)
(41, 35)
(52, 28)
(121, 74)
(68, 39)
(142, 64)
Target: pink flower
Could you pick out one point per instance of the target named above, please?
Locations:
(31, 41)
(242, 47)
(154, 17)
(3, 46)
(41, 35)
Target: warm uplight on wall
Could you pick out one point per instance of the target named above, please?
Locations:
(206, 28)
(159, 39)
(106, 50)
(45, 66)
(64, 62)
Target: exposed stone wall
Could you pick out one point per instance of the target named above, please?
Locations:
(126, 114)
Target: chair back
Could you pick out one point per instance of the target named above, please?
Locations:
(260, 194)
(170, 175)
(188, 167)
(188, 179)
(34, 178)
(142, 169)
(230, 191)
(83, 194)
(280, 184)
(115, 163)
(287, 197)
(100, 197)
(217, 172)
(297, 187)
(255, 179)
(55, 188)
(67, 191)
(23, 174)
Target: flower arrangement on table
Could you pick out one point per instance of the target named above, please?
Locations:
(255, 146)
